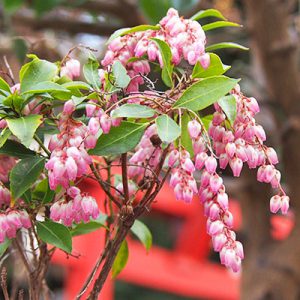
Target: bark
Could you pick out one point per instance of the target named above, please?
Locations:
(272, 268)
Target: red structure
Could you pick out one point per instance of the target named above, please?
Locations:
(185, 270)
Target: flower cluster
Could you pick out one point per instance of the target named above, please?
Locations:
(69, 158)
(11, 221)
(243, 143)
(74, 208)
(4, 196)
(185, 37)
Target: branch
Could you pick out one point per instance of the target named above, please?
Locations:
(124, 177)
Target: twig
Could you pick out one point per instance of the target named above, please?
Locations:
(4, 283)
(11, 75)
(124, 177)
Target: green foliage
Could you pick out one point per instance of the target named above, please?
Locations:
(208, 13)
(91, 74)
(24, 127)
(225, 45)
(4, 135)
(43, 193)
(133, 111)
(142, 232)
(228, 105)
(121, 259)
(24, 175)
(219, 24)
(167, 129)
(55, 234)
(215, 68)
(119, 140)
(15, 149)
(167, 70)
(91, 226)
(205, 92)
(35, 72)
(4, 86)
(120, 74)
(4, 246)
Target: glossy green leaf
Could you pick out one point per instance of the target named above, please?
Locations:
(167, 129)
(228, 105)
(206, 121)
(205, 92)
(121, 259)
(76, 85)
(4, 246)
(36, 72)
(215, 68)
(4, 85)
(91, 74)
(46, 87)
(55, 234)
(27, 196)
(42, 192)
(4, 135)
(119, 140)
(120, 74)
(167, 70)
(91, 226)
(225, 45)
(208, 13)
(142, 232)
(14, 101)
(186, 140)
(24, 174)
(219, 24)
(24, 128)
(133, 111)
(15, 149)
(124, 31)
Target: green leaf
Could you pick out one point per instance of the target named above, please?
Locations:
(4, 85)
(208, 13)
(124, 31)
(42, 192)
(205, 92)
(167, 70)
(206, 121)
(119, 140)
(46, 86)
(142, 232)
(14, 101)
(5, 134)
(24, 174)
(15, 149)
(225, 45)
(35, 72)
(3, 246)
(121, 259)
(133, 111)
(228, 105)
(93, 225)
(27, 196)
(24, 128)
(186, 140)
(219, 24)
(215, 68)
(90, 72)
(120, 74)
(76, 85)
(55, 234)
(12, 5)
(167, 129)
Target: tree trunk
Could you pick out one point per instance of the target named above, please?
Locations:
(272, 270)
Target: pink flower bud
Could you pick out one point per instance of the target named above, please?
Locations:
(275, 204)
(94, 125)
(90, 109)
(200, 160)
(73, 191)
(71, 168)
(188, 165)
(105, 123)
(230, 149)
(272, 156)
(214, 212)
(194, 129)
(69, 107)
(223, 160)
(215, 227)
(222, 199)
(239, 250)
(285, 204)
(219, 241)
(187, 195)
(215, 183)
(236, 166)
(211, 165)
(173, 158)
(204, 60)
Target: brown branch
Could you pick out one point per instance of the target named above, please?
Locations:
(124, 177)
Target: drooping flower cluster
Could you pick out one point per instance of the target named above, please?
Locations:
(244, 144)
(75, 208)
(69, 158)
(185, 37)
(11, 221)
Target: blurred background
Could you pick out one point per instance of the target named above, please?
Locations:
(181, 264)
